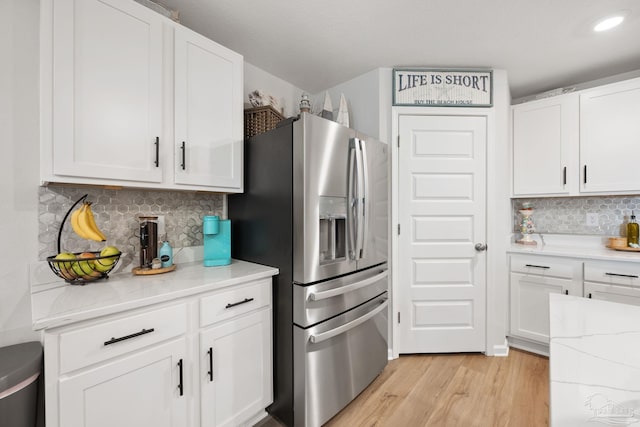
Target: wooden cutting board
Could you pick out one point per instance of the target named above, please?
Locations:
(139, 271)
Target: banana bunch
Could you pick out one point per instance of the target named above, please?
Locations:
(84, 224)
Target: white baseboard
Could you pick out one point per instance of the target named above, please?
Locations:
(530, 346)
(501, 350)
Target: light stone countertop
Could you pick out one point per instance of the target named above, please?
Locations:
(65, 304)
(573, 246)
(594, 362)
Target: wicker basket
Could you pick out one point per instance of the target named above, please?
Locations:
(259, 120)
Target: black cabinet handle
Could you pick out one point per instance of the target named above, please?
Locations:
(585, 174)
(180, 385)
(246, 300)
(621, 275)
(210, 373)
(566, 292)
(589, 295)
(537, 266)
(564, 176)
(184, 149)
(157, 144)
(126, 337)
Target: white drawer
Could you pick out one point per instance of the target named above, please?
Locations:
(85, 346)
(621, 273)
(239, 300)
(546, 266)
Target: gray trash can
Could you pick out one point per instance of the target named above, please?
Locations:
(20, 366)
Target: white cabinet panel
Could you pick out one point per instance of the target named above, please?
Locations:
(545, 138)
(609, 138)
(613, 293)
(235, 360)
(208, 112)
(137, 391)
(107, 90)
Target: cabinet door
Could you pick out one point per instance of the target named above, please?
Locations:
(530, 304)
(609, 138)
(614, 293)
(235, 370)
(107, 90)
(141, 390)
(208, 113)
(545, 137)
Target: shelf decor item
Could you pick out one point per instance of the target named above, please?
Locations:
(259, 120)
(305, 104)
(527, 227)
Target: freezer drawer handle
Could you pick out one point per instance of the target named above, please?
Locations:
(317, 296)
(621, 275)
(246, 300)
(114, 340)
(315, 339)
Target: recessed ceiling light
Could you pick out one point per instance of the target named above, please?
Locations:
(608, 23)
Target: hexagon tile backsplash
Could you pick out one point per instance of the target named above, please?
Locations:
(116, 213)
(567, 215)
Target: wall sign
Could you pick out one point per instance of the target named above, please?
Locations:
(442, 88)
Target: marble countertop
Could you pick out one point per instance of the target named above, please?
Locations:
(64, 304)
(585, 247)
(594, 362)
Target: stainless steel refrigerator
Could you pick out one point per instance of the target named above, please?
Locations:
(316, 206)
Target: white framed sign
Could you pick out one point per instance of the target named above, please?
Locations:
(442, 88)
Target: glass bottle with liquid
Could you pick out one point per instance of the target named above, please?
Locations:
(632, 231)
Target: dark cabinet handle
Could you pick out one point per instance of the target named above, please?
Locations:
(566, 292)
(585, 174)
(246, 300)
(537, 266)
(564, 176)
(621, 275)
(589, 295)
(184, 149)
(126, 337)
(210, 373)
(180, 385)
(157, 144)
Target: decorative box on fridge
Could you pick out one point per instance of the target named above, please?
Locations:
(259, 120)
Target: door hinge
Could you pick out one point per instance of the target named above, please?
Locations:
(398, 317)
(398, 229)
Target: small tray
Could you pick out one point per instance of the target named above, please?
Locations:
(140, 271)
(623, 248)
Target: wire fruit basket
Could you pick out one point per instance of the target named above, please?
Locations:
(78, 268)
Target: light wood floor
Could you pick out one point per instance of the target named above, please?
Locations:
(458, 390)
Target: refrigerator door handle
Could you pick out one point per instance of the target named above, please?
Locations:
(352, 199)
(364, 199)
(359, 198)
(315, 339)
(317, 296)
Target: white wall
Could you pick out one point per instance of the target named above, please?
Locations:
(288, 95)
(19, 165)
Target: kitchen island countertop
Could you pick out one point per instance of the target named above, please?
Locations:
(66, 304)
(594, 362)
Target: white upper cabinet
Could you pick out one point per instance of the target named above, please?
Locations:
(610, 138)
(594, 134)
(545, 133)
(208, 112)
(123, 87)
(107, 90)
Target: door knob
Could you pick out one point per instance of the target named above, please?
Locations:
(481, 247)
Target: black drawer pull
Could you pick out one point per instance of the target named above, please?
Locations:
(621, 275)
(180, 385)
(246, 300)
(566, 292)
(210, 373)
(137, 334)
(537, 266)
(589, 295)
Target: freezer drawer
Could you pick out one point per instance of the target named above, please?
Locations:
(337, 359)
(315, 303)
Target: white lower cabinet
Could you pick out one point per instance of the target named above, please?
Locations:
(612, 281)
(143, 389)
(158, 366)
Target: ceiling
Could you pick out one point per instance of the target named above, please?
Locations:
(315, 45)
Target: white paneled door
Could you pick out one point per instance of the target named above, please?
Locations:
(442, 214)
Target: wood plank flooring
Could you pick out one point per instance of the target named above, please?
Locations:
(452, 390)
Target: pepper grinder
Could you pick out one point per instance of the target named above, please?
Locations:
(148, 240)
